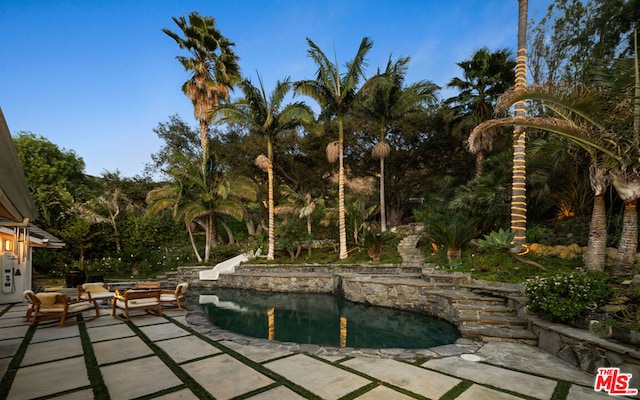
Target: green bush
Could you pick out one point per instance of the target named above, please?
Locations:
(564, 296)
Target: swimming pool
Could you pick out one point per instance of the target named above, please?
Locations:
(322, 319)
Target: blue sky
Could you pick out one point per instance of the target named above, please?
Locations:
(97, 76)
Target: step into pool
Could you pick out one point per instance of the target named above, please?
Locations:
(322, 319)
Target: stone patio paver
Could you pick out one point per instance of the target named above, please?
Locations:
(326, 381)
(86, 394)
(141, 318)
(167, 330)
(13, 332)
(187, 348)
(136, 378)
(52, 332)
(409, 377)
(9, 347)
(53, 350)
(383, 393)
(225, 377)
(184, 394)
(109, 332)
(477, 392)
(587, 393)
(539, 388)
(529, 359)
(52, 377)
(255, 353)
(279, 393)
(120, 349)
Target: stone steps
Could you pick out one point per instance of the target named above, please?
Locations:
(499, 334)
(493, 320)
(409, 252)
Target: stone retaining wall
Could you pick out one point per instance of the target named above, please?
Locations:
(294, 282)
(409, 297)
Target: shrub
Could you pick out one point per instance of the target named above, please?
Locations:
(564, 296)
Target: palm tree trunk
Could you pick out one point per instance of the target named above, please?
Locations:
(626, 255)
(479, 162)
(383, 213)
(204, 134)
(341, 209)
(518, 189)
(597, 246)
(271, 234)
(193, 243)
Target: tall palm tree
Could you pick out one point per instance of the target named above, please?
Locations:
(199, 193)
(485, 77)
(213, 66)
(518, 188)
(388, 103)
(579, 113)
(337, 94)
(267, 116)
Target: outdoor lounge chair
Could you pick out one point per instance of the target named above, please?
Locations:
(94, 291)
(56, 306)
(175, 296)
(150, 285)
(134, 300)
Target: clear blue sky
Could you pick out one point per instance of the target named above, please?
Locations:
(96, 76)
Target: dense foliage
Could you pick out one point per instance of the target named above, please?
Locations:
(562, 297)
(213, 200)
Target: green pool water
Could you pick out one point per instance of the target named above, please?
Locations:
(315, 319)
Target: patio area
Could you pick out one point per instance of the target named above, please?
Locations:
(167, 357)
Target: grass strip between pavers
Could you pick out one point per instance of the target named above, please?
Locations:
(250, 363)
(562, 390)
(368, 377)
(188, 381)
(100, 391)
(14, 364)
(457, 390)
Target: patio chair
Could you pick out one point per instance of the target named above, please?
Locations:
(94, 291)
(175, 296)
(135, 300)
(57, 307)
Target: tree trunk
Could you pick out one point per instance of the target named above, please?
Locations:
(193, 243)
(204, 135)
(271, 233)
(626, 255)
(383, 213)
(597, 246)
(341, 210)
(479, 162)
(518, 188)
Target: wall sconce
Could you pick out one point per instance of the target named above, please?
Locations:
(8, 245)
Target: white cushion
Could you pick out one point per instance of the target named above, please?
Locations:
(97, 296)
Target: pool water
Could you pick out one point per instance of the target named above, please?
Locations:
(316, 319)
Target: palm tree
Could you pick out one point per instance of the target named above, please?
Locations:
(267, 116)
(387, 104)
(106, 209)
(518, 188)
(337, 94)
(303, 205)
(485, 76)
(200, 193)
(579, 112)
(213, 65)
